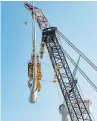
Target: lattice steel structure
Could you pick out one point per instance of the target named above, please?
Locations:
(66, 81)
(77, 111)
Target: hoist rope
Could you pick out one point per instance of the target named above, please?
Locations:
(78, 68)
(48, 65)
(82, 73)
(56, 83)
(46, 81)
(77, 84)
(34, 47)
(78, 51)
(25, 16)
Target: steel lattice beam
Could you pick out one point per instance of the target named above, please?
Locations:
(65, 79)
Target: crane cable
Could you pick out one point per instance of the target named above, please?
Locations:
(77, 84)
(82, 73)
(78, 51)
(26, 16)
(56, 83)
(72, 61)
(34, 46)
(46, 81)
(79, 69)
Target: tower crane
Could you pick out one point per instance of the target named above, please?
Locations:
(67, 83)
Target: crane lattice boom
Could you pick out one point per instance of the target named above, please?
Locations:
(64, 76)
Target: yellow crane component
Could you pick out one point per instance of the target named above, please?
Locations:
(30, 70)
(30, 74)
(38, 74)
(33, 16)
(38, 86)
(57, 68)
(42, 49)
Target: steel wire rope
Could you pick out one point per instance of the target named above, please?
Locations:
(80, 70)
(84, 75)
(24, 14)
(78, 51)
(55, 84)
(77, 84)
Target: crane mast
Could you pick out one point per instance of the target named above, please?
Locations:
(66, 81)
